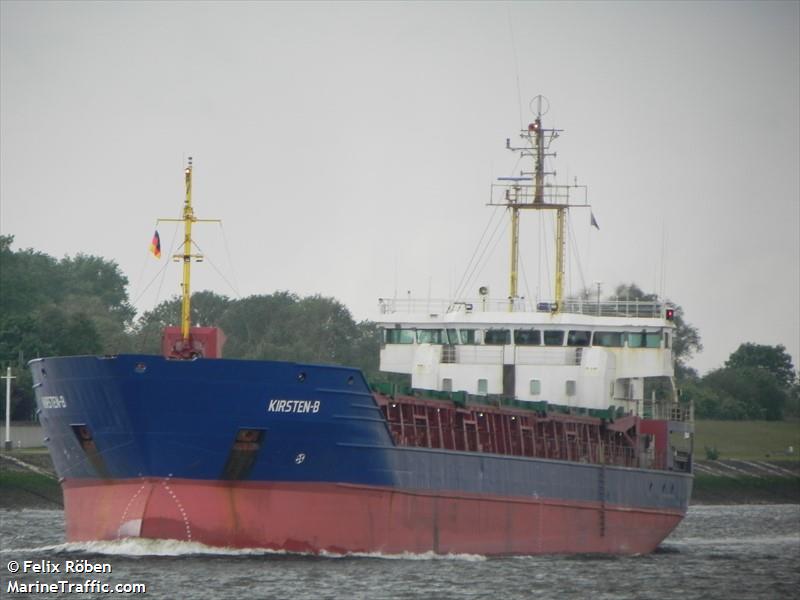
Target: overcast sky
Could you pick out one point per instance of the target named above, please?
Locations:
(349, 147)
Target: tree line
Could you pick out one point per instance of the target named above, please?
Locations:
(757, 381)
(80, 305)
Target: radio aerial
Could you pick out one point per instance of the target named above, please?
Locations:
(539, 105)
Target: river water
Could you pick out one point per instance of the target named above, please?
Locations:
(726, 552)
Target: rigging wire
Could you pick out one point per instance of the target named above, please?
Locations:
(491, 252)
(461, 281)
(230, 262)
(525, 280)
(163, 273)
(147, 287)
(480, 257)
(160, 271)
(214, 266)
(574, 243)
(141, 272)
(462, 284)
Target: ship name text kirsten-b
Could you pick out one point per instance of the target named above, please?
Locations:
(293, 406)
(54, 402)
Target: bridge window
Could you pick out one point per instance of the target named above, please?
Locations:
(483, 387)
(429, 336)
(399, 336)
(654, 339)
(579, 338)
(452, 336)
(536, 387)
(553, 337)
(497, 337)
(608, 339)
(527, 337)
(644, 339)
(469, 336)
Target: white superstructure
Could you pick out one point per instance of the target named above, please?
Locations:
(568, 358)
(575, 353)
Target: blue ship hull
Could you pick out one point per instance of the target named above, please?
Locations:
(121, 428)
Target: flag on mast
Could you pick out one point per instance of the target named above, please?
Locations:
(594, 221)
(155, 245)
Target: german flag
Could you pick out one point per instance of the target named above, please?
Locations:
(155, 245)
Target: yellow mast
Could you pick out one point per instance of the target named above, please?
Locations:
(188, 218)
(561, 242)
(538, 200)
(528, 192)
(512, 294)
(186, 257)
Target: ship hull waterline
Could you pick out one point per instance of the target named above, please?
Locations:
(300, 457)
(344, 518)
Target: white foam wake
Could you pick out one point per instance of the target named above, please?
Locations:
(136, 547)
(430, 555)
(143, 547)
(735, 541)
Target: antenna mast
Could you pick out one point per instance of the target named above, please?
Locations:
(529, 191)
(186, 256)
(188, 218)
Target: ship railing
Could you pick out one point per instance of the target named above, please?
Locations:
(605, 308)
(525, 192)
(673, 411)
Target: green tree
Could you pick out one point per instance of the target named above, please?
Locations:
(792, 407)
(746, 393)
(366, 349)
(774, 359)
(51, 307)
(711, 402)
(33, 285)
(208, 309)
(278, 326)
(94, 277)
(28, 279)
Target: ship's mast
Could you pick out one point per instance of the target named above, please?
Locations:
(561, 243)
(512, 288)
(529, 191)
(188, 217)
(187, 256)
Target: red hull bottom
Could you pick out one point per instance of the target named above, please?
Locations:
(337, 518)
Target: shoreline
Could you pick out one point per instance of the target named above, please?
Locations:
(27, 480)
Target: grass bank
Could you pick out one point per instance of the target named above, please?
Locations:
(25, 489)
(745, 489)
(748, 440)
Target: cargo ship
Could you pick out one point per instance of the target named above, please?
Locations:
(523, 427)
